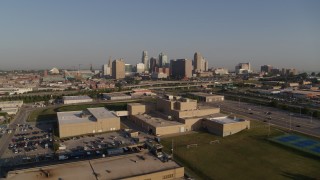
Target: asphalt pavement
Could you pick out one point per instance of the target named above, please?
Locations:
(285, 119)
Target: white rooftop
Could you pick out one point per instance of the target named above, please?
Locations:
(75, 97)
(91, 115)
(224, 120)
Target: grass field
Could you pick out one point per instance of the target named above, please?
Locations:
(50, 113)
(246, 155)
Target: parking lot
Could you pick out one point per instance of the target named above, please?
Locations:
(29, 140)
(99, 143)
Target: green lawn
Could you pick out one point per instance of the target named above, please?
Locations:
(246, 155)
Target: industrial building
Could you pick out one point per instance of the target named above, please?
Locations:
(92, 120)
(76, 99)
(115, 96)
(205, 97)
(118, 167)
(224, 126)
(174, 114)
(10, 107)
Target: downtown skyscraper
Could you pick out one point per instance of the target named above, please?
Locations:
(145, 60)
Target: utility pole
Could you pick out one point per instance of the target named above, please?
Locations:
(172, 149)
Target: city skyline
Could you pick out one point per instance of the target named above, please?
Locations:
(42, 35)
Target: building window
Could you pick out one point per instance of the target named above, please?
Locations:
(167, 176)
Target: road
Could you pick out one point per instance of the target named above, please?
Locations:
(285, 119)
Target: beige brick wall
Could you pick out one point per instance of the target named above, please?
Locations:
(67, 130)
(135, 109)
(176, 173)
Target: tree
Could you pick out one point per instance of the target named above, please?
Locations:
(313, 74)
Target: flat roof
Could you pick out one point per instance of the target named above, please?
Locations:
(101, 112)
(205, 94)
(117, 167)
(76, 97)
(224, 120)
(115, 94)
(93, 114)
(156, 121)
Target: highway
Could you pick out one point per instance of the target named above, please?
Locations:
(285, 119)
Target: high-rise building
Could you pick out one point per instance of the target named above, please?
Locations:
(181, 68)
(140, 68)
(243, 68)
(118, 69)
(145, 60)
(110, 65)
(266, 68)
(153, 64)
(197, 61)
(163, 60)
(106, 70)
(128, 69)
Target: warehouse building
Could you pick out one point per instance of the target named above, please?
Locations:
(225, 126)
(205, 97)
(76, 99)
(115, 96)
(92, 120)
(10, 107)
(118, 167)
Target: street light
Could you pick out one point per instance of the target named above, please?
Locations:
(311, 117)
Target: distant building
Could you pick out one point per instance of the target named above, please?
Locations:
(291, 71)
(118, 69)
(76, 99)
(205, 97)
(153, 64)
(163, 60)
(92, 120)
(129, 70)
(54, 71)
(140, 68)
(106, 70)
(200, 64)
(181, 68)
(115, 96)
(266, 68)
(243, 68)
(221, 71)
(145, 60)
(10, 107)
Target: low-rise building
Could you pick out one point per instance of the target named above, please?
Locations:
(205, 97)
(224, 126)
(116, 96)
(173, 114)
(76, 99)
(10, 107)
(92, 120)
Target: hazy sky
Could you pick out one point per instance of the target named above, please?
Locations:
(64, 33)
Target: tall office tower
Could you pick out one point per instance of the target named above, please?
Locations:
(118, 69)
(145, 60)
(163, 60)
(198, 62)
(140, 68)
(181, 68)
(266, 68)
(110, 64)
(206, 65)
(153, 64)
(106, 70)
(243, 68)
